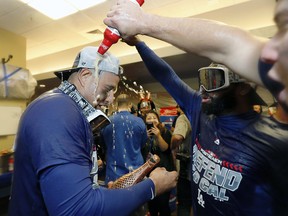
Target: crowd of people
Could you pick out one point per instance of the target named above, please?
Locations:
(233, 158)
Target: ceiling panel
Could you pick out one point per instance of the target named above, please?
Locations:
(22, 19)
(53, 44)
(8, 6)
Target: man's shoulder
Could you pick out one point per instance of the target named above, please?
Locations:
(183, 117)
(183, 121)
(54, 96)
(269, 131)
(53, 104)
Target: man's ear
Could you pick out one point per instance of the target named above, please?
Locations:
(244, 88)
(83, 76)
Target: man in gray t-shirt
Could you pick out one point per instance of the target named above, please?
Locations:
(181, 144)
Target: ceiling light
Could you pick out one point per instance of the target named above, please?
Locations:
(84, 4)
(57, 9)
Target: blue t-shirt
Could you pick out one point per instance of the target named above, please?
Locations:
(123, 138)
(232, 167)
(53, 164)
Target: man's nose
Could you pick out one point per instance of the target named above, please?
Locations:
(270, 52)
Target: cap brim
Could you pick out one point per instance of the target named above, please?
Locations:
(65, 74)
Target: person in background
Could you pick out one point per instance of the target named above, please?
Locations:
(232, 145)
(132, 109)
(281, 116)
(272, 109)
(55, 169)
(144, 106)
(260, 60)
(159, 144)
(124, 138)
(180, 145)
(175, 118)
(257, 108)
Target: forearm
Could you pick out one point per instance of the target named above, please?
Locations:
(176, 141)
(221, 43)
(163, 145)
(187, 34)
(231, 46)
(74, 195)
(164, 74)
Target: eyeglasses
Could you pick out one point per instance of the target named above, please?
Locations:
(216, 78)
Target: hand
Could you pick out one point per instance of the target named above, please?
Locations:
(131, 41)
(155, 130)
(100, 164)
(149, 133)
(125, 16)
(110, 184)
(163, 180)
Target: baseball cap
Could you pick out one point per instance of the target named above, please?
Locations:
(86, 58)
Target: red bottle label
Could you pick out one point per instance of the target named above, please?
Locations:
(112, 35)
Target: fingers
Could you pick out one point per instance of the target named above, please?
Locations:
(163, 180)
(161, 168)
(110, 184)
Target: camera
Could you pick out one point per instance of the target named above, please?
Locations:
(149, 125)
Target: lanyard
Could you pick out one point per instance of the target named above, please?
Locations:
(96, 117)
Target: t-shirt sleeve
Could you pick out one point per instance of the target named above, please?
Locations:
(181, 126)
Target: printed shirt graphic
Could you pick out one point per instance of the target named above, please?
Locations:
(218, 176)
(234, 176)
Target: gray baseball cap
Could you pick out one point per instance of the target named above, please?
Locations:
(86, 58)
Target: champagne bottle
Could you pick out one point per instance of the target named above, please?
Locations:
(137, 175)
(112, 35)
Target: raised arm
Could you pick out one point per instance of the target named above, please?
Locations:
(231, 46)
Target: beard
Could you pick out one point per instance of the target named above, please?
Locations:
(220, 103)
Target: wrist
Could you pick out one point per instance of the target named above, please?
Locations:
(145, 27)
(153, 190)
(150, 25)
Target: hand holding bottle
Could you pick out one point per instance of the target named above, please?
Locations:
(162, 179)
(137, 175)
(112, 35)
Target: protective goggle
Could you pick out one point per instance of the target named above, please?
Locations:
(216, 78)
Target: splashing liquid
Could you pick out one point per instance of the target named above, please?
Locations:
(96, 66)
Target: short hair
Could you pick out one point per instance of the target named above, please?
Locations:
(123, 100)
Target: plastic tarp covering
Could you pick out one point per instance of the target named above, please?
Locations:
(16, 82)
